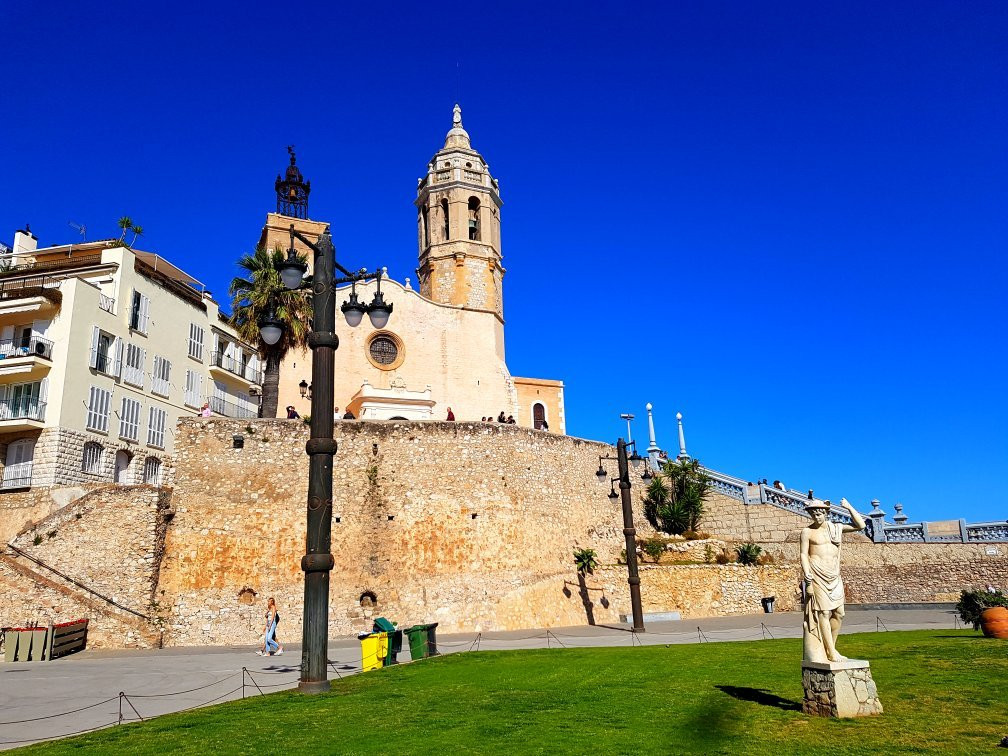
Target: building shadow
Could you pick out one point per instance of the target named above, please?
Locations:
(760, 696)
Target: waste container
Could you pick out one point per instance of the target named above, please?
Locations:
(394, 639)
(767, 602)
(374, 648)
(422, 640)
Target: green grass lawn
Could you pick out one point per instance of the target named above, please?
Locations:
(944, 691)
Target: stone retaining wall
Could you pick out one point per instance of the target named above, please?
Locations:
(19, 509)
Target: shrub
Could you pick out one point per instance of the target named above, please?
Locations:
(585, 560)
(622, 556)
(724, 557)
(748, 553)
(972, 603)
(37, 539)
(653, 547)
(51, 534)
(765, 558)
(674, 500)
(708, 554)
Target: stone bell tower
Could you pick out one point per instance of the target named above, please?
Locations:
(458, 225)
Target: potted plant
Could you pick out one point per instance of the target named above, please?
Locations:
(985, 610)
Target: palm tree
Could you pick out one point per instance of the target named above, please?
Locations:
(125, 223)
(137, 231)
(674, 501)
(251, 298)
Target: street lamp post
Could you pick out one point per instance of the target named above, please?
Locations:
(318, 559)
(629, 531)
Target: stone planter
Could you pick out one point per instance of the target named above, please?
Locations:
(994, 622)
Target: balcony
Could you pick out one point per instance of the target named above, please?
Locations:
(21, 413)
(226, 366)
(229, 409)
(34, 294)
(80, 261)
(25, 357)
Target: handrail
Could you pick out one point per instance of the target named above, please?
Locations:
(67, 263)
(80, 585)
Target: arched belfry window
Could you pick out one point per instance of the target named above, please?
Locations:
(474, 229)
(444, 218)
(538, 415)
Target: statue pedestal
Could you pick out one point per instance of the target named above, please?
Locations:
(839, 689)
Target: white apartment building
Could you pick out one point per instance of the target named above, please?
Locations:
(102, 349)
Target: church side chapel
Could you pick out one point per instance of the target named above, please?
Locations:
(444, 345)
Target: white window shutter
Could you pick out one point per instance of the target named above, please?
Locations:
(144, 313)
(94, 345)
(117, 365)
(143, 365)
(44, 390)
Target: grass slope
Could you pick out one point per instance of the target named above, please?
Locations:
(943, 691)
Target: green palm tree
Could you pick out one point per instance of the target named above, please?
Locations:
(137, 231)
(251, 298)
(674, 500)
(125, 223)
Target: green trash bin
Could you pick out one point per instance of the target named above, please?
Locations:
(422, 640)
(394, 639)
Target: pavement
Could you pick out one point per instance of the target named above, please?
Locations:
(43, 700)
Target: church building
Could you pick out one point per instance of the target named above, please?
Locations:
(444, 344)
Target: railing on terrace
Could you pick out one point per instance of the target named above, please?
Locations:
(229, 409)
(32, 286)
(62, 264)
(22, 408)
(106, 303)
(35, 346)
(21, 478)
(235, 367)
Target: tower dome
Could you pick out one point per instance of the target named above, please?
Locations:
(292, 190)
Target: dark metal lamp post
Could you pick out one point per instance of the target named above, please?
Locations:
(629, 532)
(318, 559)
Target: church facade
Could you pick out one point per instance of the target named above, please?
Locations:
(443, 347)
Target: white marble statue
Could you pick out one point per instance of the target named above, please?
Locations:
(822, 587)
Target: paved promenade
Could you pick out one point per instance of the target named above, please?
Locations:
(41, 700)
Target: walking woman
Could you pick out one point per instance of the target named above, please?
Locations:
(270, 644)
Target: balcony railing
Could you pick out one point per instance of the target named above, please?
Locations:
(229, 409)
(32, 286)
(233, 366)
(106, 303)
(16, 480)
(61, 264)
(35, 346)
(22, 408)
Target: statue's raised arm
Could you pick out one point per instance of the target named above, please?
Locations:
(856, 518)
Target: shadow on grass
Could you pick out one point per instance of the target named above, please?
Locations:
(762, 697)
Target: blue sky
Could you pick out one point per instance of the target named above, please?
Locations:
(785, 221)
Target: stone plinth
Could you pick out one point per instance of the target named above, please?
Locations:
(840, 689)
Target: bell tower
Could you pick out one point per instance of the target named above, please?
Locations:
(458, 227)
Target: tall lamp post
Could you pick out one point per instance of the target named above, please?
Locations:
(630, 533)
(318, 559)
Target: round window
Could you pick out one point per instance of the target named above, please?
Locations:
(383, 350)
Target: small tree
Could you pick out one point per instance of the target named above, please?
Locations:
(674, 500)
(137, 232)
(585, 560)
(125, 223)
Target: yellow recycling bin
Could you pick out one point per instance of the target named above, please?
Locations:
(374, 649)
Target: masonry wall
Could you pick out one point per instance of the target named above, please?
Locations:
(453, 523)
(19, 509)
(111, 541)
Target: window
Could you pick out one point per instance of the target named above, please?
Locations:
(152, 471)
(474, 226)
(195, 342)
(129, 419)
(106, 352)
(161, 376)
(156, 427)
(193, 388)
(139, 312)
(92, 462)
(444, 216)
(17, 472)
(383, 350)
(23, 400)
(133, 370)
(98, 409)
(538, 415)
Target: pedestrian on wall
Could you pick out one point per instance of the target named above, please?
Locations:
(335, 414)
(292, 414)
(205, 410)
(501, 418)
(451, 416)
(270, 644)
(545, 426)
(510, 420)
(348, 415)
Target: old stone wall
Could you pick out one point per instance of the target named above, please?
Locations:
(446, 522)
(110, 541)
(19, 509)
(762, 523)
